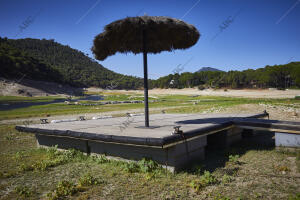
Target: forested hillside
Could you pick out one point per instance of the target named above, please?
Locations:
(50, 61)
(70, 65)
(17, 65)
(278, 76)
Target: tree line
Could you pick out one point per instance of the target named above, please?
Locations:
(50, 61)
(70, 65)
(277, 76)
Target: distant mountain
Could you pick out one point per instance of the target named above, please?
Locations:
(205, 69)
(51, 61)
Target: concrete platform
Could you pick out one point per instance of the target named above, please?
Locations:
(126, 137)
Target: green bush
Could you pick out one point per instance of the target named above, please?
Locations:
(100, 159)
(54, 157)
(23, 191)
(73, 154)
(298, 161)
(206, 179)
(87, 180)
(148, 165)
(226, 179)
(234, 159)
(145, 165)
(131, 167)
(295, 197)
(63, 189)
(52, 151)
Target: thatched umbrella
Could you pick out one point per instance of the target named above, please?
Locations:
(145, 34)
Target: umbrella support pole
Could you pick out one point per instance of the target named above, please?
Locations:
(145, 79)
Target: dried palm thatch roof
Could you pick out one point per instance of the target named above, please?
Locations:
(163, 34)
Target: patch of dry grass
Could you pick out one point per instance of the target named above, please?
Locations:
(258, 172)
(252, 169)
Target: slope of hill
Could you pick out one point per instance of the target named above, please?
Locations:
(205, 69)
(27, 87)
(74, 67)
(16, 65)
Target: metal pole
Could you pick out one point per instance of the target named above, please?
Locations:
(145, 79)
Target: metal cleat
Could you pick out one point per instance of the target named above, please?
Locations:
(81, 118)
(44, 121)
(176, 130)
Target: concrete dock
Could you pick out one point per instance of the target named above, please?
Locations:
(127, 138)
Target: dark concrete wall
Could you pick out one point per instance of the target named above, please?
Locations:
(224, 138)
(175, 157)
(62, 142)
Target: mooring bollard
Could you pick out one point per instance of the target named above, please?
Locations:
(44, 121)
(177, 131)
(81, 118)
(265, 112)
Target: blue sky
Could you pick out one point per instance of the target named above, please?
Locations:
(263, 32)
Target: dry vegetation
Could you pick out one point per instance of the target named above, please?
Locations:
(251, 169)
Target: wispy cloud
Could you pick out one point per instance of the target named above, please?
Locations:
(287, 12)
(187, 12)
(87, 12)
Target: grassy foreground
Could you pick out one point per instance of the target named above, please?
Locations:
(252, 169)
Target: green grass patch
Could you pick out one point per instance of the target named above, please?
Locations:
(185, 104)
(247, 170)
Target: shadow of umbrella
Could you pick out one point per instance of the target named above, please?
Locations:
(145, 34)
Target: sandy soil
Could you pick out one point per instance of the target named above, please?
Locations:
(247, 93)
(275, 112)
(25, 87)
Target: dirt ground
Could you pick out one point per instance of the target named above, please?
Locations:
(247, 93)
(25, 87)
(276, 113)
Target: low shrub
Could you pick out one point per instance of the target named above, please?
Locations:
(67, 188)
(87, 180)
(148, 165)
(234, 159)
(63, 189)
(145, 165)
(281, 169)
(197, 169)
(100, 159)
(23, 191)
(131, 167)
(226, 179)
(206, 179)
(54, 157)
(295, 197)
